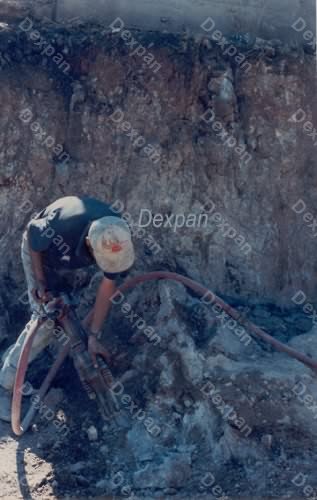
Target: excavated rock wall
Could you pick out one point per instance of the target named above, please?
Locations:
(59, 90)
(202, 404)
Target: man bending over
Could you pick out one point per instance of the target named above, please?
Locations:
(69, 234)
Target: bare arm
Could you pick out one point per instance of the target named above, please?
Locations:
(102, 305)
(87, 319)
(37, 266)
(38, 270)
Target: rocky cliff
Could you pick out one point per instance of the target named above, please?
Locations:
(173, 125)
(222, 132)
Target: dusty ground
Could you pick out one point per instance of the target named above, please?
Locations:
(50, 463)
(29, 471)
(19, 459)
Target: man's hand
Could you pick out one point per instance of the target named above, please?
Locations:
(95, 348)
(41, 295)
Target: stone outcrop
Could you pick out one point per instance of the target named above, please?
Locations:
(207, 400)
(72, 102)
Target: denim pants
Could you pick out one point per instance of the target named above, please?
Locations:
(44, 334)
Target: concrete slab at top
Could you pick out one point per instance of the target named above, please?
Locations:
(263, 18)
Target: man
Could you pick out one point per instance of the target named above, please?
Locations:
(69, 234)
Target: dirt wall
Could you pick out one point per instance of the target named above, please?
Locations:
(218, 131)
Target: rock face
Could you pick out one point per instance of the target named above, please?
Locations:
(77, 110)
(180, 130)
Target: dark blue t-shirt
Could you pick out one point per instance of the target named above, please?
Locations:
(59, 231)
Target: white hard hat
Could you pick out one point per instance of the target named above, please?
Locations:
(110, 239)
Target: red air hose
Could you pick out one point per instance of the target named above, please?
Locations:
(202, 291)
(19, 427)
(157, 275)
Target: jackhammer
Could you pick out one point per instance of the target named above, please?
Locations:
(95, 381)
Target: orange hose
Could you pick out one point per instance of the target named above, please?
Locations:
(202, 290)
(20, 377)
